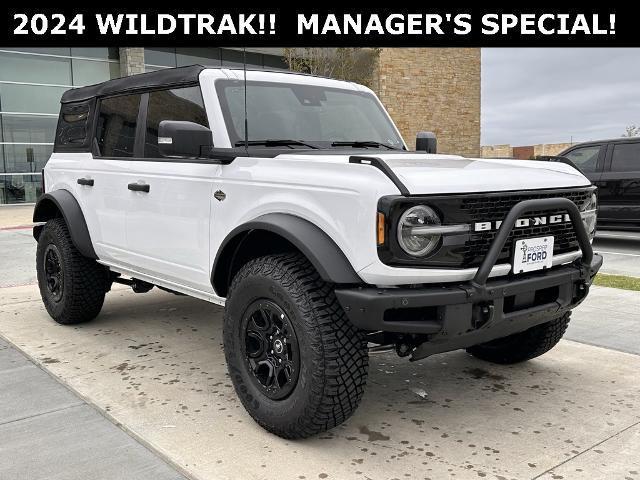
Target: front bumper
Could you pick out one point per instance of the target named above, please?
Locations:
(453, 316)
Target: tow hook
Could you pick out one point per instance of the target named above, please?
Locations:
(582, 289)
(482, 313)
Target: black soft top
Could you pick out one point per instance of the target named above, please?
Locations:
(170, 77)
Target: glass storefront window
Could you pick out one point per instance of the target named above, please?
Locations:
(16, 67)
(208, 57)
(163, 57)
(32, 80)
(24, 158)
(275, 62)
(30, 98)
(20, 188)
(88, 72)
(235, 59)
(107, 53)
(28, 128)
(66, 51)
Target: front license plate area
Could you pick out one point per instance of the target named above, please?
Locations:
(532, 254)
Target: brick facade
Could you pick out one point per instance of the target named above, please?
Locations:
(434, 89)
(131, 61)
(504, 151)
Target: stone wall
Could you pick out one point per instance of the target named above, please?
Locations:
(505, 150)
(434, 89)
(550, 148)
(131, 61)
(496, 151)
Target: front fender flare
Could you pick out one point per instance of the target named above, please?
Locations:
(327, 258)
(65, 203)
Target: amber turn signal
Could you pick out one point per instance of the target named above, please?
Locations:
(380, 228)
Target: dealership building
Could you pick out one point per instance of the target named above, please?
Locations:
(423, 89)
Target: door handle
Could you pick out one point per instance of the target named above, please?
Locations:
(86, 181)
(138, 187)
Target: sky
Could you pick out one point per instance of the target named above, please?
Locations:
(556, 95)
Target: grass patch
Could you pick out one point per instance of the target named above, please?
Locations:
(617, 281)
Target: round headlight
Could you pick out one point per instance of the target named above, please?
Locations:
(411, 237)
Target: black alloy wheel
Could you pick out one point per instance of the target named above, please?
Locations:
(54, 276)
(270, 348)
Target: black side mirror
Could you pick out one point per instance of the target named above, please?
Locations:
(426, 142)
(183, 139)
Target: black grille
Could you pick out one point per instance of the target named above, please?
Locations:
(495, 207)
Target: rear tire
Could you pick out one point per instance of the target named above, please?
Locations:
(523, 346)
(326, 356)
(72, 286)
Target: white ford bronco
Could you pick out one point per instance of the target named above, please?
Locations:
(293, 201)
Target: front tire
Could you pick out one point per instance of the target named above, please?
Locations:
(72, 286)
(297, 363)
(523, 346)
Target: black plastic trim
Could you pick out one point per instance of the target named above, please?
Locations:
(65, 203)
(323, 253)
(139, 187)
(383, 167)
(366, 306)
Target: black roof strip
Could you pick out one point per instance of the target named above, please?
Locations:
(166, 78)
(383, 167)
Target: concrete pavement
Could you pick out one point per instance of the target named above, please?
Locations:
(154, 363)
(609, 318)
(46, 431)
(621, 252)
(15, 215)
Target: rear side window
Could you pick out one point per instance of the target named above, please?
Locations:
(585, 158)
(626, 157)
(116, 129)
(74, 125)
(180, 104)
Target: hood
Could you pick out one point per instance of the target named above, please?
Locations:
(449, 174)
(436, 174)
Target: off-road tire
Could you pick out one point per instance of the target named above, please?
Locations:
(85, 281)
(333, 353)
(523, 346)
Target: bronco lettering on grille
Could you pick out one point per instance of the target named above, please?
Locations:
(524, 222)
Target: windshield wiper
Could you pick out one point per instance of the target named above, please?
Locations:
(362, 144)
(276, 143)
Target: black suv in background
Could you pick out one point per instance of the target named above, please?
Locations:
(614, 166)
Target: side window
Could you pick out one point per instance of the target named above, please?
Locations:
(74, 125)
(586, 158)
(626, 157)
(180, 104)
(116, 130)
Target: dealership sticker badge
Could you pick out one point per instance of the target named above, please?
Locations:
(533, 254)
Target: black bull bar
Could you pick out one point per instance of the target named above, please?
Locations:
(459, 315)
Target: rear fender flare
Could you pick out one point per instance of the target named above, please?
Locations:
(62, 203)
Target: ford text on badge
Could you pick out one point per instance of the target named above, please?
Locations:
(533, 254)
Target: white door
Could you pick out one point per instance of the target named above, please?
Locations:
(168, 225)
(101, 183)
(169, 200)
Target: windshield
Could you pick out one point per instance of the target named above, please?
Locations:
(316, 115)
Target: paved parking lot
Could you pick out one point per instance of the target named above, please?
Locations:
(621, 252)
(153, 364)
